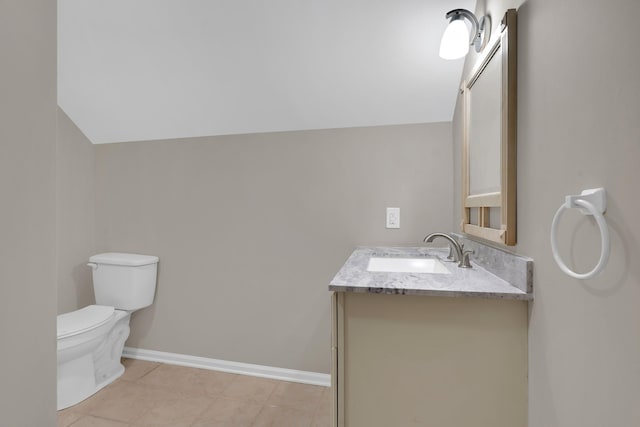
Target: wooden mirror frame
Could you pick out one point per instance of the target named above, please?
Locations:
(504, 45)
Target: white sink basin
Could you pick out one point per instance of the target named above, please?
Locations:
(407, 265)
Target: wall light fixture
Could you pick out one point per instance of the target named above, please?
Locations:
(456, 38)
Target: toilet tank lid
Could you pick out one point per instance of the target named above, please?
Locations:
(119, 258)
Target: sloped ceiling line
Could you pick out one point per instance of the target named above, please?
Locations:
(158, 69)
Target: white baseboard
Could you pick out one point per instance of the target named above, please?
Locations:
(292, 375)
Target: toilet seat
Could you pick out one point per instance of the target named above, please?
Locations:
(83, 320)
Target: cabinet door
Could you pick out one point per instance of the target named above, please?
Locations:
(337, 357)
(427, 361)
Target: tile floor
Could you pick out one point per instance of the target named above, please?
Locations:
(157, 395)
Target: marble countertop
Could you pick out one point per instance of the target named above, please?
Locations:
(462, 282)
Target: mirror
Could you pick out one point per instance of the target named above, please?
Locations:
(489, 154)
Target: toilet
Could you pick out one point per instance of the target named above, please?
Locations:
(91, 339)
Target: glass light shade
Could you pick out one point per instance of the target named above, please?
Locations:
(455, 40)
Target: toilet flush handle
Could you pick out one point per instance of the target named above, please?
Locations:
(92, 265)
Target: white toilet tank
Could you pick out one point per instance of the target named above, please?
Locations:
(124, 281)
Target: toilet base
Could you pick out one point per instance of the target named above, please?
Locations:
(84, 376)
(76, 381)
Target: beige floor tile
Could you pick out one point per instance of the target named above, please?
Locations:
(226, 412)
(251, 389)
(85, 406)
(279, 416)
(302, 397)
(158, 395)
(326, 400)
(136, 369)
(66, 417)
(174, 410)
(322, 418)
(189, 380)
(125, 401)
(324, 412)
(90, 421)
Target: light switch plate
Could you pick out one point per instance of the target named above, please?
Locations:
(393, 217)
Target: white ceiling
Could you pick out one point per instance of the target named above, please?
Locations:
(132, 70)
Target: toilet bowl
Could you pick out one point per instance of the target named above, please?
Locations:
(91, 339)
(90, 342)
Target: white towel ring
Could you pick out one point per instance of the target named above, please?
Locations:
(604, 236)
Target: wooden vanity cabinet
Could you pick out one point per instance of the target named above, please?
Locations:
(401, 360)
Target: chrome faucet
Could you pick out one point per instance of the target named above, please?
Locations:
(456, 249)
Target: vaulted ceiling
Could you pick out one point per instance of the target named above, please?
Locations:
(131, 70)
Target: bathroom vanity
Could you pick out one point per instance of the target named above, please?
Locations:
(445, 348)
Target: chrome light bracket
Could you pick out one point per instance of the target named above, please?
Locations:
(480, 30)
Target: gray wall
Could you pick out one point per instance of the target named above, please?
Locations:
(27, 213)
(579, 104)
(75, 215)
(250, 229)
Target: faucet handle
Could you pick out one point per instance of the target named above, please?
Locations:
(464, 262)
